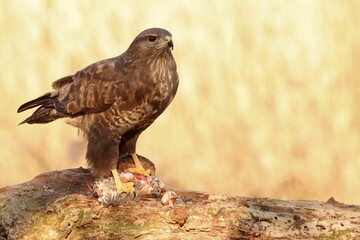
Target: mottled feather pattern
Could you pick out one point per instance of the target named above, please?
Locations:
(112, 101)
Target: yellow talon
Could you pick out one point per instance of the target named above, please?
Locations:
(128, 187)
(139, 169)
(122, 187)
(146, 172)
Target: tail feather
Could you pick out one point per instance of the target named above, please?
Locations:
(43, 100)
(44, 114)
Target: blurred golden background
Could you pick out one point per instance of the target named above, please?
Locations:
(268, 102)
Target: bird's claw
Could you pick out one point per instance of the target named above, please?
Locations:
(144, 172)
(126, 188)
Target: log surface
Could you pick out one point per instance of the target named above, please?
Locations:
(60, 205)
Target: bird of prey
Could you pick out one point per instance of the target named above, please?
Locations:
(114, 100)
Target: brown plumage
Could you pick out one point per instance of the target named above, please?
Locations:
(112, 101)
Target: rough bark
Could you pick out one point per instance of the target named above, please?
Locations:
(60, 205)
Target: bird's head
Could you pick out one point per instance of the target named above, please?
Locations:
(157, 39)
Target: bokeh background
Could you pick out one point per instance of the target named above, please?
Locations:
(268, 103)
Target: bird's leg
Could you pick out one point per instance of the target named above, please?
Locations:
(137, 162)
(122, 187)
(128, 145)
(139, 169)
(102, 154)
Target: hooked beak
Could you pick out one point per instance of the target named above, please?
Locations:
(169, 42)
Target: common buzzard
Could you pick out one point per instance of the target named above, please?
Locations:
(114, 100)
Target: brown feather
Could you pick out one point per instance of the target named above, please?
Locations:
(42, 115)
(44, 99)
(114, 100)
(62, 81)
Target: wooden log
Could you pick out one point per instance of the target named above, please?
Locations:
(60, 205)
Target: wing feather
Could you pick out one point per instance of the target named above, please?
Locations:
(93, 89)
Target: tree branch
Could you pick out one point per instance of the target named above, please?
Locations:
(60, 204)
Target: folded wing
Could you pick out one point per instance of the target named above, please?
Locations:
(91, 90)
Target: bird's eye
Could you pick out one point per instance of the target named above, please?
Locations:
(151, 38)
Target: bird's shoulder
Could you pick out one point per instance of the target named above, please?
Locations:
(107, 70)
(101, 71)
